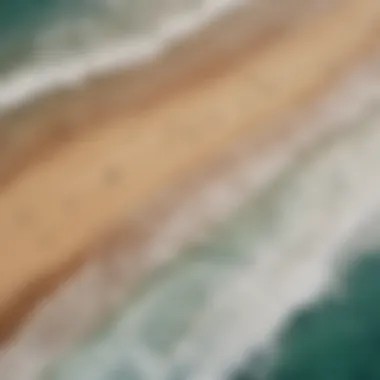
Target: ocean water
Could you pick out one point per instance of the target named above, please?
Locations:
(337, 337)
(283, 290)
(46, 45)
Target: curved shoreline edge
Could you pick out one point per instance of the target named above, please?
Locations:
(285, 101)
(34, 129)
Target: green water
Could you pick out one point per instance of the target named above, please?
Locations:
(16, 15)
(337, 338)
(22, 21)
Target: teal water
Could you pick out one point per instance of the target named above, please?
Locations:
(336, 338)
(27, 15)
(22, 21)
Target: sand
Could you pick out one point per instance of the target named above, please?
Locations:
(47, 121)
(55, 208)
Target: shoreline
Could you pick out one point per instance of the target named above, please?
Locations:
(43, 124)
(131, 50)
(230, 88)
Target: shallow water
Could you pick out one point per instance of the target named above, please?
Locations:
(232, 294)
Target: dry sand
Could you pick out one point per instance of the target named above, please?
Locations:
(58, 206)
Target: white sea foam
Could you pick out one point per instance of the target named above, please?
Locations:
(116, 34)
(66, 69)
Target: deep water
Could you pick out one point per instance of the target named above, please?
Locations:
(337, 338)
(23, 14)
(22, 21)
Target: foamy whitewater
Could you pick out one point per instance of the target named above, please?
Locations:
(227, 297)
(66, 43)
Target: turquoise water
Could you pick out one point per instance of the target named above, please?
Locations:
(237, 292)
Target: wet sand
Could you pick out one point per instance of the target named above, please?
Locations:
(57, 206)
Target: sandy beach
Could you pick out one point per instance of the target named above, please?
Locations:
(42, 123)
(60, 201)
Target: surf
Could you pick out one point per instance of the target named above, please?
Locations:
(231, 294)
(74, 45)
